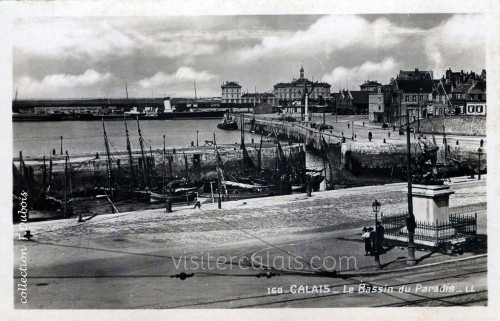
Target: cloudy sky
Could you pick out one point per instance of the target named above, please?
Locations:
(94, 57)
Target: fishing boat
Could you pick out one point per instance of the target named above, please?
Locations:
(178, 195)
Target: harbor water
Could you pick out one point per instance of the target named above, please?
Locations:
(40, 138)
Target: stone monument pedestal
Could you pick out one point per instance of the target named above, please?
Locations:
(431, 203)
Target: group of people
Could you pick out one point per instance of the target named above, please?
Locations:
(373, 239)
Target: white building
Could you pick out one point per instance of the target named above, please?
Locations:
(231, 92)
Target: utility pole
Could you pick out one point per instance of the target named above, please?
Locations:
(445, 145)
(336, 112)
(61, 145)
(418, 109)
(410, 224)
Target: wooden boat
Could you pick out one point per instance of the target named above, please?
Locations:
(180, 195)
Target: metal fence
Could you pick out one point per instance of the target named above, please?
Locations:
(459, 226)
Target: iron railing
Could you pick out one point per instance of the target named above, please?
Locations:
(459, 226)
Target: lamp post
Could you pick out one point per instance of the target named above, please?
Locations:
(479, 151)
(197, 145)
(376, 208)
(61, 145)
(410, 220)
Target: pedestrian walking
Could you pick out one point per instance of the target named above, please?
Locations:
(365, 234)
(370, 135)
(389, 134)
(481, 142)
(393, 128)
(348, 125)
(198, 204)
(380, 236)
(373, 237)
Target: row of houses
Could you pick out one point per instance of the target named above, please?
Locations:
(421, 96)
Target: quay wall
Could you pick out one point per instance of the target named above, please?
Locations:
(453, 125)
(362, 158)
(296, 131)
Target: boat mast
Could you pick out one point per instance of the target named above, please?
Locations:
(66, 184)
(141, 142)
(44, 178)
(195, 96)
(50, 172)
(129, 150)
(218, 169)
(163, 172)
(260, 155)
(151, 167)
(242, 122)
(186, 163)
(108, 159)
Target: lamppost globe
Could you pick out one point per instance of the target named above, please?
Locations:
(376, 206)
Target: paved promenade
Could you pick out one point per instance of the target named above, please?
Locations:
(127, 260)
(341, 122)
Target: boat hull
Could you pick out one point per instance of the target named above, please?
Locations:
(162, 198)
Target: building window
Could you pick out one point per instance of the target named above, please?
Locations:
(407, 99)
(414, 98)
(421, 97)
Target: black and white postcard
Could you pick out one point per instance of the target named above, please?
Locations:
(183, 159)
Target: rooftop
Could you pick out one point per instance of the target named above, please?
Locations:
(231, 84)
(414, 74)
(370, 83)
(360, 97)
(415, 86)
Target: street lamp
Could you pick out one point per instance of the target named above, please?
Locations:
(197, 145)
(410, 220)
(376, 208)
(61, 145)
(479, 151)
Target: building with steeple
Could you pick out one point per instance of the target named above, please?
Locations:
(283, 94)
(289, 92)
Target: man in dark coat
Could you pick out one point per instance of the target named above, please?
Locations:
(380, 236)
